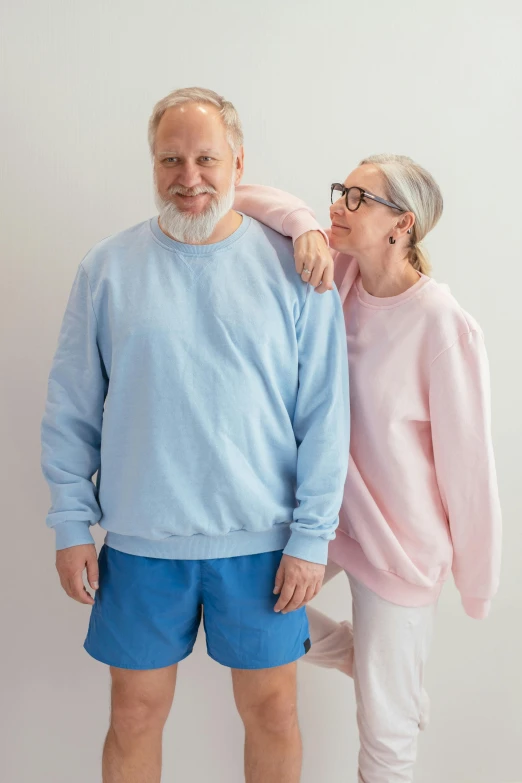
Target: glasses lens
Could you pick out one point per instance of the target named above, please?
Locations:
(336, 192)
(353, 198)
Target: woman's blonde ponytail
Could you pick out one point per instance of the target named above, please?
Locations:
(413, 189)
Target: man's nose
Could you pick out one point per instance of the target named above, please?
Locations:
(188, 175)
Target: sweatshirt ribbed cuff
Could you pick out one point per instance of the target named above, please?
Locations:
(300, 222)
(72, 534)
(477, 608)
(315, 550)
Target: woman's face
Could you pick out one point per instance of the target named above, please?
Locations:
(368, 229)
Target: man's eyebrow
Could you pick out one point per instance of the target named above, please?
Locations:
(174, 153)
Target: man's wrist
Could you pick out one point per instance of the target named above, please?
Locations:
(72, 534)
(304, 547)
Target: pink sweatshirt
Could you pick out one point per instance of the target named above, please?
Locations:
(421, 494)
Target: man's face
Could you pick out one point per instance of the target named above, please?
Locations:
(195, 171)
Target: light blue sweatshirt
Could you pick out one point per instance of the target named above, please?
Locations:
(207, 386)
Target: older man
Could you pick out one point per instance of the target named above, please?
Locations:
(206, 385)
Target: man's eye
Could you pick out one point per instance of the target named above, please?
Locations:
(206, 159)
(170, 160)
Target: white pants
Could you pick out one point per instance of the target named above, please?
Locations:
(385, 652)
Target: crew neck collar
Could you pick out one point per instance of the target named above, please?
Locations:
(391, 301)
(197, 250)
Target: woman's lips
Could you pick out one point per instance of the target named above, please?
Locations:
(342, 228)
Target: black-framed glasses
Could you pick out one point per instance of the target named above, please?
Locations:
(355, 196)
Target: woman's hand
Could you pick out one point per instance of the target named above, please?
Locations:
(313, 261)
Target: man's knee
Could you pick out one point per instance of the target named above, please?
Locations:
(138, 710)
(135, 716)
(272, 714)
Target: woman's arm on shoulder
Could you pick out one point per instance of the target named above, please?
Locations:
(290, 216)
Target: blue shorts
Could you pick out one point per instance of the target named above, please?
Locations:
(148, 610)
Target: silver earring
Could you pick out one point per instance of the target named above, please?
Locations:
(409, 231)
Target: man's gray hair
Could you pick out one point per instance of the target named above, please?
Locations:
(227, 111)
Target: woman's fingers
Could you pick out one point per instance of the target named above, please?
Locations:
(313, 261)
(327, 280)
(317, 274)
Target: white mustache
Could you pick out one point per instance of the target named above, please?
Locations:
(179, 190)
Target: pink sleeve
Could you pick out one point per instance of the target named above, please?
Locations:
(286, 214)
(465, 466)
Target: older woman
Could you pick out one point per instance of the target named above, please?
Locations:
(421, 494)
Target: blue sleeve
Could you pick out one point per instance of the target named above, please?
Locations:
(321, 426)
(72, 423)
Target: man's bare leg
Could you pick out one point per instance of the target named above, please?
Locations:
(140, 704)
(267, 703)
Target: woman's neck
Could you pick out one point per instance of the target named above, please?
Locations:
(387, 278)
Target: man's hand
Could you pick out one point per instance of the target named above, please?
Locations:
(70, 563)
(313, 254)
(297, 582)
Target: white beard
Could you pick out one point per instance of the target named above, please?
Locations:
(194, 229)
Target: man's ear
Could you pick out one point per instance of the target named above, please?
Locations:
(240, 165)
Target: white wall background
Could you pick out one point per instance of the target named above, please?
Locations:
(318, 84)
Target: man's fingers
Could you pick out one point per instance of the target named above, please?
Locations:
(279, 580)
(310, 593)
(65, 585)
(286, 596)
(78, 591)
(301, 578)
(297, 599)
(92, 572)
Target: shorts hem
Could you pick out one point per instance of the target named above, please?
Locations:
(150, 667)
(293, 659)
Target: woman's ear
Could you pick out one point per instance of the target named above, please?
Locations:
(406, 223)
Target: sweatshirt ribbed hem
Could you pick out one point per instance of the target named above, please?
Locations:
(199, 547)
(347, 553)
